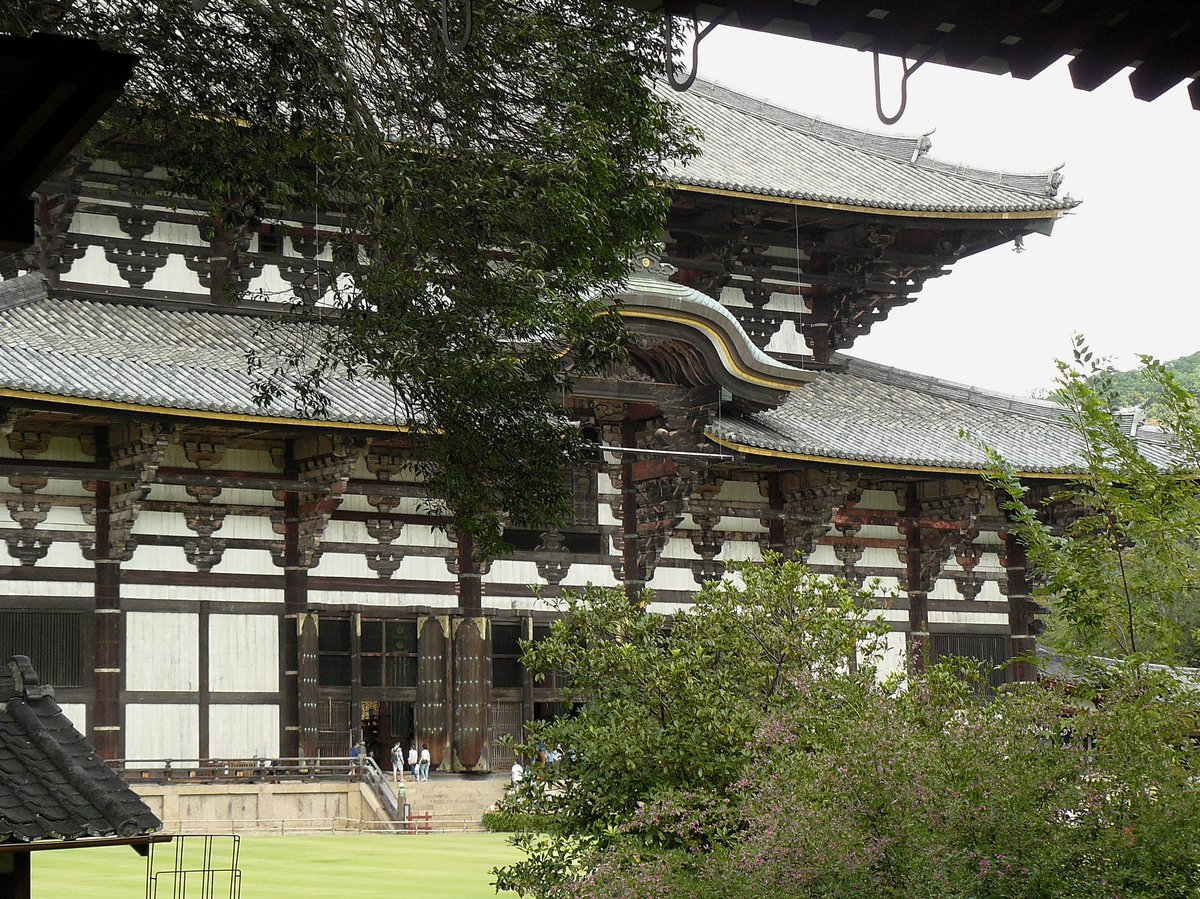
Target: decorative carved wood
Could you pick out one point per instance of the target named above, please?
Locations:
(324, 465)
(28, 512)
(137, 448)
(807, 503)
(553, 560)
(707, 541)
(385, 463)
(206, 517)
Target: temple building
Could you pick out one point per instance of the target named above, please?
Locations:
(200, 577)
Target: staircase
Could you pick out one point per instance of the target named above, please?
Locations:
(454, 802)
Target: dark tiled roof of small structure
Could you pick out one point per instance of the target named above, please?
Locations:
(751, 146)
(122, 353)
(876, 415)
(53, 786)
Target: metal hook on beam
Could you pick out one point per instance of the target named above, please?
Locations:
(908, 70)
(456, 47)
(669, 24)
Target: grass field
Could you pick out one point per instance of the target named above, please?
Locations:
(362, 866)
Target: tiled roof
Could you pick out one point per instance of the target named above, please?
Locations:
(750, 146)
(186, 359)
(876, 415)
(53, 786)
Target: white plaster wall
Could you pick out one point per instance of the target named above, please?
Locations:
(823, 554)
(788, 340)
(992, 618)
(93, 268)
(243, 653)
(249, 527)
(582, 575)
(382, 600)
(197, 593)
(158, 558)
(893, 655)
(343, 565)
(162, 731)
(57, 589)
(243, 731)
(175, 276)
(679, 548)
(76, 713)
(422, 568)
(513, 571)
(246, 561)
(162, 651)
(670, 578)
(991, 593)
(740, 550)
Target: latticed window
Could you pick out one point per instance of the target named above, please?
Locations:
(333, 645)
(52, 640)
(506, 655)
(389, 653)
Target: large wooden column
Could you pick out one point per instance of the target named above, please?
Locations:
(471, 668)
(938, 517)
(1021, 609)
(323, 465)
(105, 723)
(133, 451)
(434, 712)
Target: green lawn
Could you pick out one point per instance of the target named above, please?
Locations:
(361, 866)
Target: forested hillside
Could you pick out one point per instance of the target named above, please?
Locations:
(1132, 388)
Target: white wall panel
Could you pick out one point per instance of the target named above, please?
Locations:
(879, 499)
(740, 550)
(582, 575)
(162, 651)
(679, 548)
(76, 713)
(243, 731)
(94, 269)
(162, 731)
(398, 600)
(162, 524)
(513, 571)
(991, 618)
(248, 561)
(243, 653)
(991, 593)
(343, 565)
(892, 657)
(670, 578)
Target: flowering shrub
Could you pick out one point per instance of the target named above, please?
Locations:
(928, 793)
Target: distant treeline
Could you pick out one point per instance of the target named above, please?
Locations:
(1131, 388)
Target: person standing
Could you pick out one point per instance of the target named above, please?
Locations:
(397, 763)
(413, 764)
(425, 761)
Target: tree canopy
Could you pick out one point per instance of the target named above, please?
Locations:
(479, 203)
(1115, 555)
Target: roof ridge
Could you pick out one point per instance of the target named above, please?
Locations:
(906, 148)
(847, 135)
(994, 399)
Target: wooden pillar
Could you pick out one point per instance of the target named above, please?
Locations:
(472, 694)
(918, 598)
(299, 651)
(470, 674)
(106, 710)
(202, 629)
(15, 881)
(434, 720)
(1020, 617)
(634, 577)
(356, 700)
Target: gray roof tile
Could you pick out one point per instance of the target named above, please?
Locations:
(188, 359)
(751, 146)
(873, 414)
(53, 785)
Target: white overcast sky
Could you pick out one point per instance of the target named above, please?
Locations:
(1121, 269)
